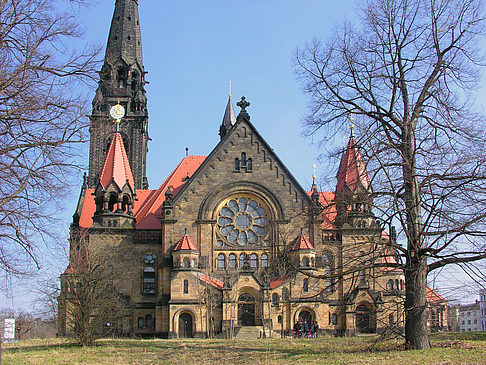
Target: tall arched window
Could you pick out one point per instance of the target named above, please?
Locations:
(264, 259)
(232, 261)
(140, 322)
(149, 322)
(221, 262)
(327, 280)
(149, 280)
(186, 287)
(305, 285)
(253, 261)
(389, 284)
(275, 299)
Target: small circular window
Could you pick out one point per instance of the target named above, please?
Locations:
(242, 221)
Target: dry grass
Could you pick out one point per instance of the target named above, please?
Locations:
(447, 349)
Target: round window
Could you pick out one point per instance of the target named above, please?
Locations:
(242, 221)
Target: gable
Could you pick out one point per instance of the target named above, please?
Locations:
(266, 170)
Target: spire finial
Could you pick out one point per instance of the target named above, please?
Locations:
(351, 119)
(230, 89)
(187, 151)
(313, 173)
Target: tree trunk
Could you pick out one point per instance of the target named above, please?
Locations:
(416, 336)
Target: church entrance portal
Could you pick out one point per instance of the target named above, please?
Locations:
(364, 319)
(246, 310)
(185, 325)
(305, 317)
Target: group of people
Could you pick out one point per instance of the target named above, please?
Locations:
(304, 329)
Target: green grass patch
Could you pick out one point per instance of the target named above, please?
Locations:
(446, 349)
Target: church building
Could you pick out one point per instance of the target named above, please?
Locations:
(231, 239)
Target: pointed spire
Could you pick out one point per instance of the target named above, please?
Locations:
(229, 118)
(315, 192)
(185, 244)
(125, 39)
(352, 169)
(302, 243)
(116, 167)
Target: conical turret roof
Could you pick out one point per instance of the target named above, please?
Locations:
(116, 167)
(229, 118)
(352, 169)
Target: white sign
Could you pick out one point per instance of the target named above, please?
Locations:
(9, 330)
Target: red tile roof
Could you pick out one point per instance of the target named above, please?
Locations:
(388, 258)
(146, 216)
(326, 199)
(116, 167)
(352, 168)
(147, 207)
(276, 282)
(302, 243)
(185, 243)
(218, 284)
(433, 296)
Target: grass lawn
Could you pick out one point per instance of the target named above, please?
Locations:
(447, 349)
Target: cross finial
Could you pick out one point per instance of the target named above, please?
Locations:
(230, 89)
(187, 151)
(243, 104)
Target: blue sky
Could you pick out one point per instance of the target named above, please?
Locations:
(192, 49)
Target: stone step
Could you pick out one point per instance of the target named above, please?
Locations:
(249, 332)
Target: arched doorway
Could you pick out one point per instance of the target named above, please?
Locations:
(306, 317)
(364, 319)
(246, 310)
(185, 325)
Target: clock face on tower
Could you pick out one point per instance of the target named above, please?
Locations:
(117, 112)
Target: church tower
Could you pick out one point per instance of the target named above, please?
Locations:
(353, 195)
(122, 80)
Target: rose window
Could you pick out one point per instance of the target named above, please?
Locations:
(243, 221)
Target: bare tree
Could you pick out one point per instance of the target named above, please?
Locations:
(43, 80)
(91, 301)
(408, 71)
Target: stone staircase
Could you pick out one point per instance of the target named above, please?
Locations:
(249, 332)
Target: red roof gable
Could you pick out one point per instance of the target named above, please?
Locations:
(146, 217)
(185, 243)
(147, 207)
(433, 296)
(116, 167)
(302, 243)
(276, 282)
(218, 284)
(352, 168)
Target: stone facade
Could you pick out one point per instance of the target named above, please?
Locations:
(231, 239)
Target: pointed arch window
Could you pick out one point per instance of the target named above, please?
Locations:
(149, 280)
(275, 300)
(186, 287)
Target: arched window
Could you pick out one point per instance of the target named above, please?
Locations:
(186, 263)
(389, 284)
(401, 285)
(305, 285)
(397, 284)
(140, 322)
(232, 261)
(237, 164)
(243, 260)
(186, 287)
(253, 261)
(243, 159)
(275, 299)
(149, 322)
(279, 319)
(249, 165)
(327, 280)
(264, 259)
(305, 262)
(149, 280)
(334, 319)
(221, 262)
